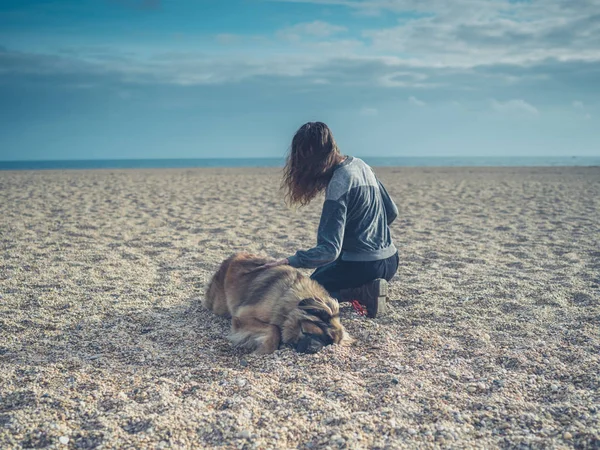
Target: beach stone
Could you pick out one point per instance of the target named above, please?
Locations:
(412, 431)
(63, 440)
(337, 439)
(567, 436)
(244, 434)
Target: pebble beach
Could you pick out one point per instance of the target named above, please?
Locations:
(492, 339)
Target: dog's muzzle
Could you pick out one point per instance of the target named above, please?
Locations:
(311, 343)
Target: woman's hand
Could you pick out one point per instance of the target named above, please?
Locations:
(280, 262)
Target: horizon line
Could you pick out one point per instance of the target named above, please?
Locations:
(284, 157)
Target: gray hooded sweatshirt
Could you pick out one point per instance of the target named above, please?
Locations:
(355, 219)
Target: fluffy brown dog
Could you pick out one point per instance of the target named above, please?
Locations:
(269, 306)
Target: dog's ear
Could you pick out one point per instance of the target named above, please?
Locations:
(306, 303)
(310, 306)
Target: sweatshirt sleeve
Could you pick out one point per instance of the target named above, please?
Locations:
(391, 210)
(330, 236)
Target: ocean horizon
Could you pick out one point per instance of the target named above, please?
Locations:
(377, 161)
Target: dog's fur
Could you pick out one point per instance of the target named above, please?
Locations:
(270, 306)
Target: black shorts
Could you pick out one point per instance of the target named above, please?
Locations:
(351, 274)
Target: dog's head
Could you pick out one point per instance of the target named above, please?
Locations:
(320, 325)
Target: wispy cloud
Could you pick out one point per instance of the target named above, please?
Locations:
(416, 102)
(515, 106)
(316, 29)
(581, 108)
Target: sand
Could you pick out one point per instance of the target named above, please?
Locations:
(492, 340)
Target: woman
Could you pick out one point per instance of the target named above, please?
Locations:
(354, 256)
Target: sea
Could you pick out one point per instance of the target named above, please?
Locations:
(397, 161)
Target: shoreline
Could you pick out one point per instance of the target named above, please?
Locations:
(241, 163)
(279, 169)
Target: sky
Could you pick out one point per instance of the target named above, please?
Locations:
(109, 79)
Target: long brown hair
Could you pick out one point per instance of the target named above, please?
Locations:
(310, 162)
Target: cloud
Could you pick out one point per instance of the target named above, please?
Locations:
(579, 106)
(316, 29)
(514, 106)
(38, 66)
(369, 112)
(478, 49)
(408, 77)
(416, 102)
(469, 33)
(368, 79)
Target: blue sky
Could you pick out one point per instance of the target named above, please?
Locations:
(192, 79)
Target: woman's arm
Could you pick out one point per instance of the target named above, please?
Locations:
(391, 210)
(329, 238)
